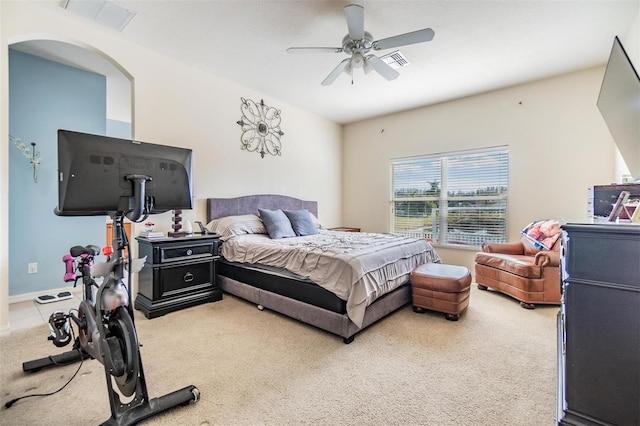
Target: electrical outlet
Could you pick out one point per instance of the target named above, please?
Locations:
(33, 268)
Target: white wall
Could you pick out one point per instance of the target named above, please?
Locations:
(175, 104)
(201, 114)
(558, 146)
(631, 44)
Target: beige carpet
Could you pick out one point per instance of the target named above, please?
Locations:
(496, 366)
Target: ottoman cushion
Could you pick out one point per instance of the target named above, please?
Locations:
(440, 277)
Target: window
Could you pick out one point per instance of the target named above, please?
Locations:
(455, 199)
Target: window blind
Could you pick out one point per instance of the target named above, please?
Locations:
(455, 199)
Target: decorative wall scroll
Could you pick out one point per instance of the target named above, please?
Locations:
(260, 128)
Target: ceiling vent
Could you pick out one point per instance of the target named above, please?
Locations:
(104, 12)
(395, 59)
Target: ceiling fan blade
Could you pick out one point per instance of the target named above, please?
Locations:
(336, 72)
(414, 37)
(381, 68)
(314, 50)
(355, 21)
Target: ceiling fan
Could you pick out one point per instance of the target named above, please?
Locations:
(359, 42)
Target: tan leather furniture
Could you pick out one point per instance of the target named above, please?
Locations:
(442, 288)
(520, 270)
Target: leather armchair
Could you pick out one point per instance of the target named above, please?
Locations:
(520, 270)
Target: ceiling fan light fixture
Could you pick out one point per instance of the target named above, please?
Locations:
(348, 69)
(357, 60)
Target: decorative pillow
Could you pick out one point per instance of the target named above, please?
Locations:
(231, 226)
(277, 224)
(301, 222)
(543, 234)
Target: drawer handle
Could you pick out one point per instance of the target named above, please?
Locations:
(188, 277)
(189, 252)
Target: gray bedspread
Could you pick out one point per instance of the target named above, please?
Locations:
(357, 267)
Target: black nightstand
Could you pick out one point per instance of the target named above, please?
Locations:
(178, 273)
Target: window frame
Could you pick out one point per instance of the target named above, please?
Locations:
(439, 235)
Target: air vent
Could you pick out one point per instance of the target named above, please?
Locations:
(395, 59)
(104, 12)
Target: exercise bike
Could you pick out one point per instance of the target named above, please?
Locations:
(106, 329)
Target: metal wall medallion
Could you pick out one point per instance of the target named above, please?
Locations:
(260, 128)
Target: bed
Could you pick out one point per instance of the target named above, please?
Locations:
(341, 282)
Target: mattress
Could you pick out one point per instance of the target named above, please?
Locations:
(284, 283)
(356, 267)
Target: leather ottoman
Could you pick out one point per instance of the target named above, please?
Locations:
(441, 288)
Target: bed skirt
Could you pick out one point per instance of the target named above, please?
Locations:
(324, 319)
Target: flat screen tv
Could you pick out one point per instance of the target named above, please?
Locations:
(98, 175)
(619, 104)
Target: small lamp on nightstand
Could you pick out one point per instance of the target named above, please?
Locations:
(177, 225)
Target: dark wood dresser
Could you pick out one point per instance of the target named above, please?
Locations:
(178, 273)
(599, 325)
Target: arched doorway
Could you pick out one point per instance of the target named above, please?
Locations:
(34, 231)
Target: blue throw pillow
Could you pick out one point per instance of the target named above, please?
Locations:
(301, 222)
(277, 224)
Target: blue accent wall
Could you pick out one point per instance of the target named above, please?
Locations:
(45, 96)
(118, 129)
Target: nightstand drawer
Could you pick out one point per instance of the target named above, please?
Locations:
(175, 253)
(184, 278)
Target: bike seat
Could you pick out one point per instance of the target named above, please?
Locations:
(91, 250)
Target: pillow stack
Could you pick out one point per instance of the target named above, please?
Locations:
(288, 223)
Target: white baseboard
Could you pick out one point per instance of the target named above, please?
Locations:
(31, 296)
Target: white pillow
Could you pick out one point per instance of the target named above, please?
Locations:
(231, 226)
(315, 221)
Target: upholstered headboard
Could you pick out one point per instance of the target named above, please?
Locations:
(249, 204)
